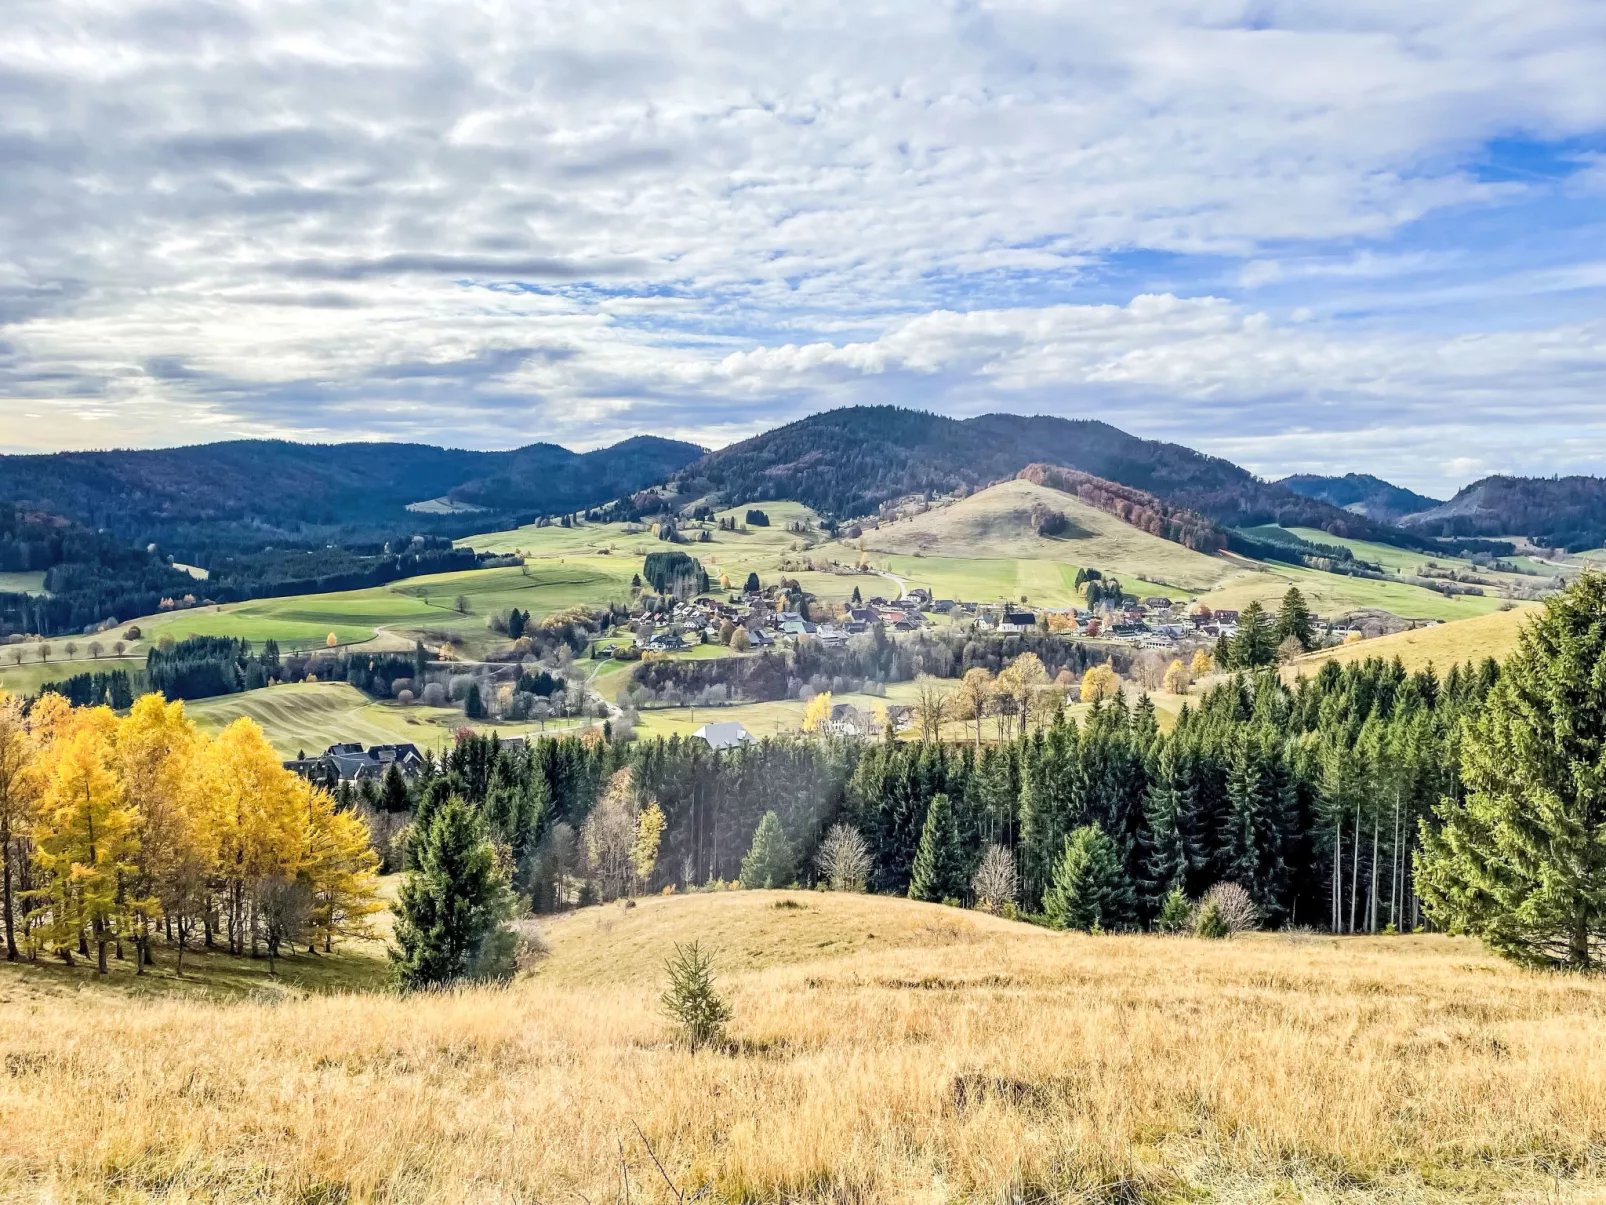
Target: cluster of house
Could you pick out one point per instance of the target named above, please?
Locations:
(701, 620)
(350, 762)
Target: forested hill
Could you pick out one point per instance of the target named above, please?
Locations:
(1362, 493)
(847, 462)
(259, 491)
(1568, 512)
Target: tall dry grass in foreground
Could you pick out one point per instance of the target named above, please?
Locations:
(950, 1056)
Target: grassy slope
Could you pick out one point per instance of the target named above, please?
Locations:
(996, 523)
(23, 583)
(885, 1051)
(313, 715)
(1331, 594)
(1443, 645)
(27, 677)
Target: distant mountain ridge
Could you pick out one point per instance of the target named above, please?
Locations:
(257, 491)
(847, 462)
(1567, 512)
(1362, 494)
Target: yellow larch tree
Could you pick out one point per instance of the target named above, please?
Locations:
(974, 694)
(19, 805)
(1203, 662)
(339, 869)
(261, 823)
(86, 841)
(1100, 682)
(1176, 677)
(158, 758)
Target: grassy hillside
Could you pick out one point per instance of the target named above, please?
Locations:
(314, 715)
(997, 523)
(22, 583)
(883, 1051)
(1334, 594)
(1443, 645)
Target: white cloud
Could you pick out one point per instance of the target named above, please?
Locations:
(241, 219)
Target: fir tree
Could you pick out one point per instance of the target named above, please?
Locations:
(1170, 836)
(451, 911)
(393, 795)
(1256, 642)
(1293, 619)
(769, 863)
(1521, 860)
(1089, 888)
(473, 705)
(939, 871)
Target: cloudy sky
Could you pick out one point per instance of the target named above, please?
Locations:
(1319, 235)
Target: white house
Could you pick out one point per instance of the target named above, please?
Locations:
(725, 735)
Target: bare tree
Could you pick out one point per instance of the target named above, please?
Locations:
(1238, 912)
(844, 859)
(932, 705)
(609, 835)
(119, 648)
(974, 694)
(44, 651)
(95, 649)
(994, 884)
(71, 649)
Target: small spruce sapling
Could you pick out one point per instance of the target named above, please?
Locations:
(690, 1000)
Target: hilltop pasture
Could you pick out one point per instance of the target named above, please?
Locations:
(880, 1051)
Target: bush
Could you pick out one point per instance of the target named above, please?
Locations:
(1176, 913)
(434, 695)
(1237, 913)
(690, 1000)
(843, 859)
(1210, 922)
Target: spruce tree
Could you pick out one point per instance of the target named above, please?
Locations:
(939, 871)
(1521, 860)
(1293, 619)
(452, 909)
(1171, 852)
(1259, 818)
(393, 795)
(1089, 889)
(1256, 642)
(473, 705)
(769, 863)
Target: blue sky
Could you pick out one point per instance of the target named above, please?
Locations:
(1309, 237)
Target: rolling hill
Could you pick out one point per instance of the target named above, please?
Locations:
(880, 1050)
(998, 522)
(254, 492)
(847, 462)
(1567, 512)
(1361, 493)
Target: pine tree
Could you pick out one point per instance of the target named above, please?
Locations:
(1293, 619)
(939, 871)
(453, 907)
(1521, 860)
(1089, 889)
(473, 705)
(769, 863)
(1256, 836)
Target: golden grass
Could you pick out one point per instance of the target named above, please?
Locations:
(1443, 645)
(949, 1056)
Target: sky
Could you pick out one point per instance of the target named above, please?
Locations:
(1323, 236)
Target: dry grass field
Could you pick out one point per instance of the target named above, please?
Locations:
(881, 1051)
(1442, 645)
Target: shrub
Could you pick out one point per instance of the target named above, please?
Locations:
(1210, 922)
(434, 695)
(1238, 913)
(1176, 913)
(690, 1000)
(994, 884)
(843, 859)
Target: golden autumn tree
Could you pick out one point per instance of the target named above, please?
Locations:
(339, 869)
(974, 694)
(817, 712)
(1100, 682)
(86, 841)
(158, 759)
(260, 821)
(19, 803)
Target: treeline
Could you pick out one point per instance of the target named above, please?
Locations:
(120, 834)
(864, 663)
(676, 574)
(203, 666)
(113, 689)
(275, 573)
(1137, 507)
(1309, 796)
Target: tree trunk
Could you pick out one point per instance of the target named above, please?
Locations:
(1371, 919)
(11, 933)
(1355, 870)
(1338, 871)
(1394, 867)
